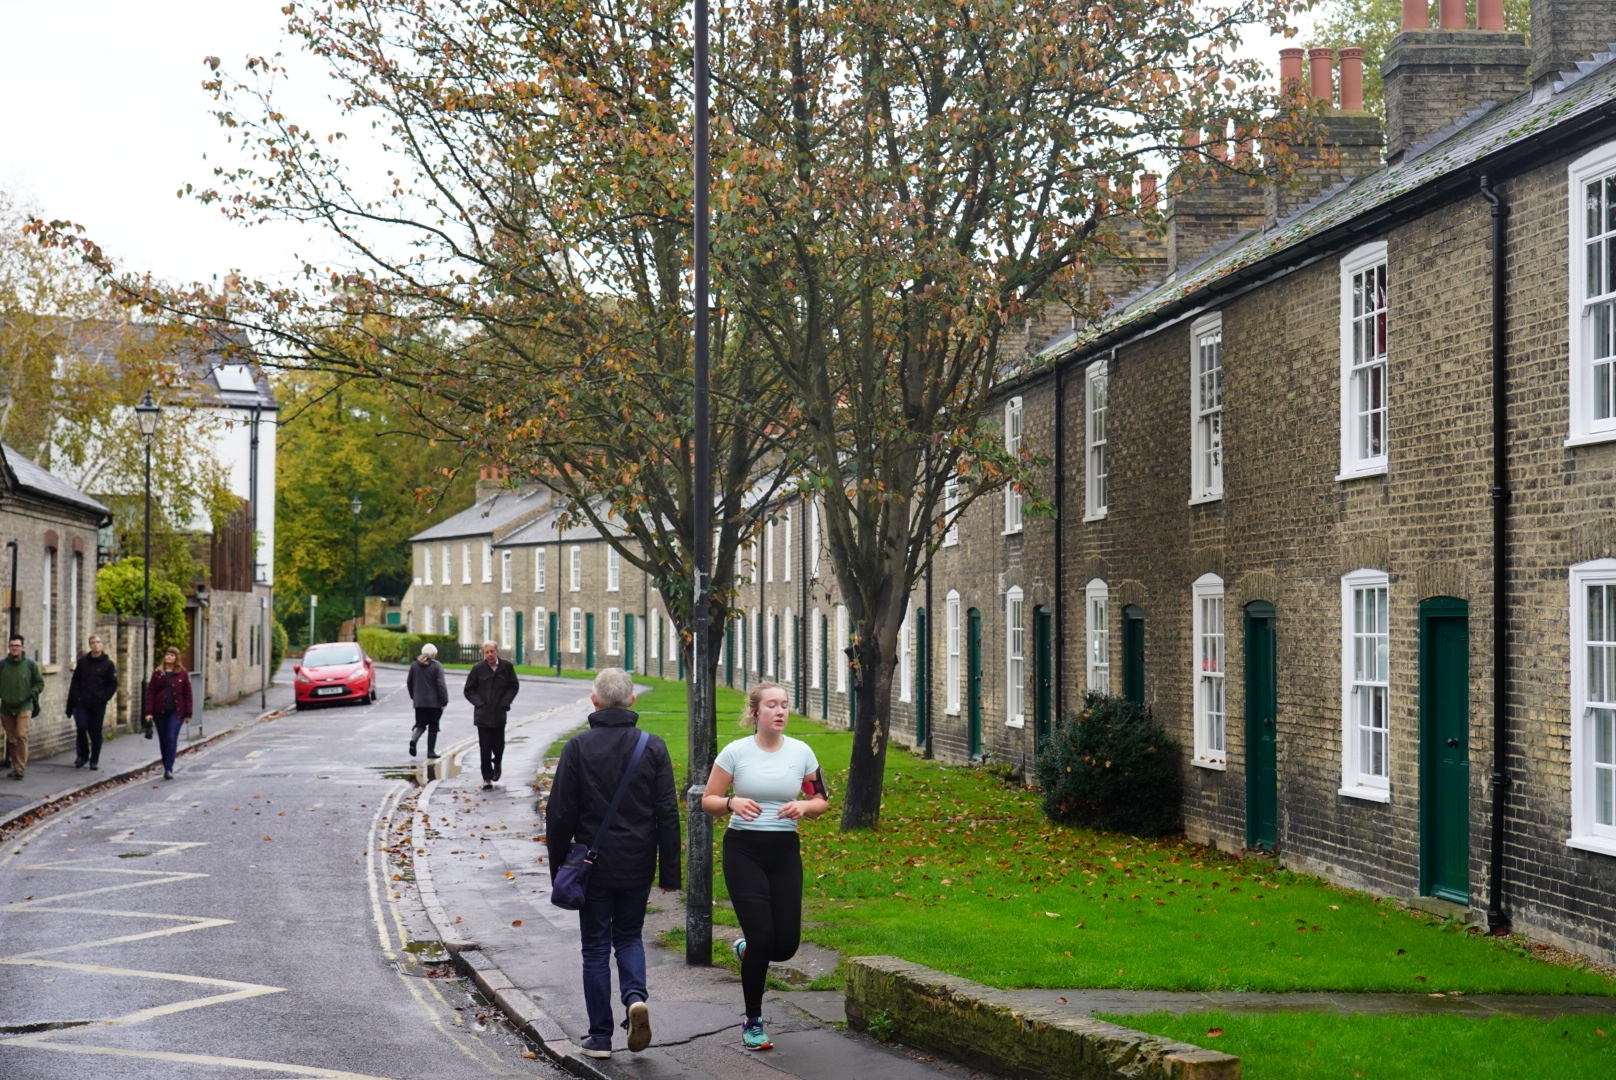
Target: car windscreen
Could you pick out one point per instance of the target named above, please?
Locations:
(327, 655)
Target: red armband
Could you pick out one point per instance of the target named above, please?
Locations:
(813, 786)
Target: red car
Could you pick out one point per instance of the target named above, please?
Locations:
(339, 671)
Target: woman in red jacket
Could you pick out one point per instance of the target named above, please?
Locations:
(168, 703)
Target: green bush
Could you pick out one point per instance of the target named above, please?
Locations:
(120, 589)
(392, 647)
(1112, 767)
(277, 645)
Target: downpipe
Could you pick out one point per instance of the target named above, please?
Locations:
(1498, 921)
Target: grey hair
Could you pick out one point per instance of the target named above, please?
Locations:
(614, 688)
(491, 644)
(429, 650)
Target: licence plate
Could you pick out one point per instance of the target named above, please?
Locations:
(329, 690)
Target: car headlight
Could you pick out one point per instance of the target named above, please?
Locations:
(303, 676)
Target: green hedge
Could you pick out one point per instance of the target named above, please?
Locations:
(277, 645)
(1112, 767)
(392, 647)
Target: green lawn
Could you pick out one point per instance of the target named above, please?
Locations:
(1316, 1046)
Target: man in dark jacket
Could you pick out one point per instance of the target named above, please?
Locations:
(491, 687)
(95, 682)
(21, 683)
(644, 834)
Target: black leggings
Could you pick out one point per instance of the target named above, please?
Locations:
(763, 871)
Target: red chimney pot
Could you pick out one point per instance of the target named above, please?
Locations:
(1352, 79)
(1416, 15)
(1321, 63)
(1489, 14)
(1290, 71)
(1452, 15)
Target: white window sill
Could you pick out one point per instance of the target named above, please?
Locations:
(1012, 532)
(1209, 763)
(1017, 721)
(1197, 500)
(946, 544)
(1592, 438)
(1367, 794)
(1378, 469)
(1599, 845)
(946, 712)
(614, 590)
(1098, 515)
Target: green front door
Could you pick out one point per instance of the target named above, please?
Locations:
(519, 642)
(1043, 694)
(1262, 709)
(554, 640)
(1133, 654)
(628, 642)
(922, 679)
(824, 668)
(973, 658)
(589, 641)
(1445, 749)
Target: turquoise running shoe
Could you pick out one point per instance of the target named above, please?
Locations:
(740, 948)
(754, 1037)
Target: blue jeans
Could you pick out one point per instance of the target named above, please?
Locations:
(611, 921)
(168, 737)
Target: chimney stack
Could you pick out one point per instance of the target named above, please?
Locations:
(1351, 137)
(1566, 31)
(1434, 77)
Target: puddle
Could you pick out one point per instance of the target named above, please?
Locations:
(427, 950)
(422, 774)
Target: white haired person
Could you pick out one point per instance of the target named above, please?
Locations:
(776, 783)
(491, 687)
(429, 693)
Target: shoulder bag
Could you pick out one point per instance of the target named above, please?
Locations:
(572, 880)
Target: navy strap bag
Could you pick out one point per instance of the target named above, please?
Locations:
(572, 880)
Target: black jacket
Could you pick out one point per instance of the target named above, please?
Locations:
(490, 691)
(646, 828)
(426, 685)
(95, 682)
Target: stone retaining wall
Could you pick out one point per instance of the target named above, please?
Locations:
(981, 1026)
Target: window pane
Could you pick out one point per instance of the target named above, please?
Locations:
(1604, 740)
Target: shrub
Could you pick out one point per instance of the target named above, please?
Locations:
(120, 589)
(277, 645)
(1112, 767)
(392, 647)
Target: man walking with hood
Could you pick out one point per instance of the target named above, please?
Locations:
(643, 835)
(491, 687)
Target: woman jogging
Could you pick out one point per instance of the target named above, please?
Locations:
(168, 703)
(429, 693)
(777, 783)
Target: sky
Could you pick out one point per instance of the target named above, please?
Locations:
(105, 119)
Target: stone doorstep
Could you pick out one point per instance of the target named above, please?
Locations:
(1444, 909)
(983, 1027)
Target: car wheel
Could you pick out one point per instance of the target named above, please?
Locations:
(373, 692)
(301, 707)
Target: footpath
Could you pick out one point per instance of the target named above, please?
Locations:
(481, 870)
(52, 779)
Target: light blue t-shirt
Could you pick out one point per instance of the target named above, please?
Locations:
(770, 780)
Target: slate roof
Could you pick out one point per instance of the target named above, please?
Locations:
(545, 529)
(27, 476)
(99, 341)
(487, 516)
(1582, 105)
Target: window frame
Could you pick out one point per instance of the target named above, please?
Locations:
(1355, 783)
(1097, 594)
(465, 562)
(813, 539)
(768, 551)
(1206, 481)
(541, 572)
(448, 565)
(614, 569)
(541, 631)
(464, 626)
(840, 645)
(1015, 657)
(1209, 661)
(1014, 432)
(906, 685)
(951, 501)
(426, 578)
(786, 548)
(1587, 833)
(575, 630)
(507, 575)
(575, 568)
(1581, 427)
(816, 648)
(507, 627)
(788, 646)
(614, 631)
(953, 666)
(1353, 466)
(488, 562)
(49, 579)
(1096, 388)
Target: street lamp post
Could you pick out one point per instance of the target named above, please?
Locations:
(146, 415)
(355, 505)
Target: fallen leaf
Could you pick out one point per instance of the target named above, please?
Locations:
(1600, 1032)
(516, 922)
(1053, 914)
(1334, 908)
(530, 1055)
(1213, 1033)
(266, 838)
(1063, 1001)
(509, 874)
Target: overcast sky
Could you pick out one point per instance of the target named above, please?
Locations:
(104, 119)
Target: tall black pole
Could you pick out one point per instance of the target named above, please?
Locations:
(11, 602)
(353, 607)
(699, 886)
(145, 630)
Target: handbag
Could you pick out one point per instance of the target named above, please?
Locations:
(572, 879)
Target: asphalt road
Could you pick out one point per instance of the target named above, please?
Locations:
(242, 920)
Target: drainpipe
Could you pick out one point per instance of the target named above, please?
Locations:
(1498, 921)
(1060, 546)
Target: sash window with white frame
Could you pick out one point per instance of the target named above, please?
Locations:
(430, 626)
(488, 561)
(488, 627)
(575, 630)
(1097, 596)
(541, 631)
(768, 550)
(1015, 658)
(813, 538)
(1206, 401)
(906, 678)
(786, 553)
(1364, 369)
(539, 569)
(1097, 402)
(505, 571)
(752, 640)
(614, 570)
(47, 650)
(1012, 446)
(1210, 693)
(1366, 685)
(507, 628)
(952, 680)
(576, 569)
(1593, 706)
(465, 625)
(840, 645)
(769, 643)
(465, 563)
(788, 631)
(426, 567)
(614, 631)
(951, 501)
(446, 564)
(1593, 297)
(816, 644)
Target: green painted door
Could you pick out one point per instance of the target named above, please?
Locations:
(973, 657)
(589, 641)
(922, 679)
(824, 667)
(1445, 749)
(1043, 700)
(1133, 654)
(520, 656)
(628, 641)
(1262, 709)
(729, 654)
(555, 641)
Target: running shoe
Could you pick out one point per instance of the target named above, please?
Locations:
(740, 949)
(754, 1037)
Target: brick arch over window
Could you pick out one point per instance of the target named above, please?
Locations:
(1258, 585)
(1441, 579)
(51, 539)
(1130, 592)
(1368, 550)
(1207, 561)
(1592, 540)
(1095, 566)
(78, 545)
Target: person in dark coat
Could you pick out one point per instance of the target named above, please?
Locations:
(491, 687)
(643, 837)
(95, 682)
(429, 693)
(168, 704)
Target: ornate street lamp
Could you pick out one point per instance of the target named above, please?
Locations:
(147, 413)
(355, 505)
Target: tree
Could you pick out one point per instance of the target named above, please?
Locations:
(932, 174)
(339, 438)
(1371, 24)
(120, 587)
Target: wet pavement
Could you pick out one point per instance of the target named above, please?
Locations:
(247, 918)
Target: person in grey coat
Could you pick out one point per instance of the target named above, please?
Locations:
(429, 693)
(491, 687)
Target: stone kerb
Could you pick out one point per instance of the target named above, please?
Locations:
(981, 1026)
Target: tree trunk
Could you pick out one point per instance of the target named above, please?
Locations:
(867, 769)
(702, 731)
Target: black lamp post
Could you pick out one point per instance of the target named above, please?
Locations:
(146, 415)
(355, 505)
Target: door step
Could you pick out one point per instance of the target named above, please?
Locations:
(1442, 909)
